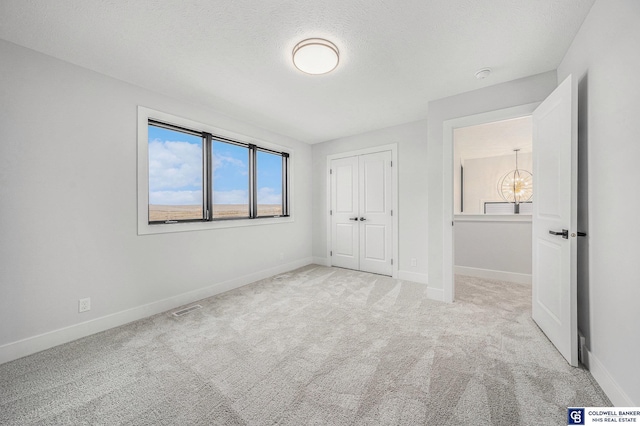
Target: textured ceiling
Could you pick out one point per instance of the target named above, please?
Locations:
(235, 56)
(494, 139)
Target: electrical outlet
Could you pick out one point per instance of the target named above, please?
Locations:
(84, 304)
(414, 263)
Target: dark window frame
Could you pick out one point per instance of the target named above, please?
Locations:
(207, 176)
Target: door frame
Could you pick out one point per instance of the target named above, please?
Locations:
(394, 197)
(448, 126)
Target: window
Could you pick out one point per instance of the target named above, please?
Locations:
(175, 175)
(270, 183)
(194, 176)
(230, 180)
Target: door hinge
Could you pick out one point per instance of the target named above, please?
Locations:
(331, 253)
(330, 212)
(330, 171)
(391, 212)
(392, 164)
(392, 261)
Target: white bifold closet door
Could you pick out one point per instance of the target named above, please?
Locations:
(361, 213)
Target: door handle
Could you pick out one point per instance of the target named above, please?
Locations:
(362, 218)
(353, 218)
(564, 233)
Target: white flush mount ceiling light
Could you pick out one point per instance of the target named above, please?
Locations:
(315, 56)
(483, 73)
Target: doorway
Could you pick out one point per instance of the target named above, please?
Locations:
(491, 177)
(554, 233)
(448, 196)
(362, 222)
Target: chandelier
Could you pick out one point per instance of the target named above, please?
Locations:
(516, 186)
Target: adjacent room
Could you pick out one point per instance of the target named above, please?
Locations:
(339, 213)
(492, 220)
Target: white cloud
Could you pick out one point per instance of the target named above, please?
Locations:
(174, 165)
(220, 160)
(236, 196)
(231, 164)
(175, 198)
(268, 195)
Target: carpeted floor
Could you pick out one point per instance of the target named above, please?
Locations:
(315, 346)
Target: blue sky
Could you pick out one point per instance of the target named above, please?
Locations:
(175, 171)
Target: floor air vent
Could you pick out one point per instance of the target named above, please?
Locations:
(185, 311)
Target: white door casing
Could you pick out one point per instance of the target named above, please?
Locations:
(361, 212)
(555, 169)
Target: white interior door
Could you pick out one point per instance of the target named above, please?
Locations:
(361, 213)
(555, 219)
(375, 213)
(345, 236)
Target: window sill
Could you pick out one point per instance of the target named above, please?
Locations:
(162, 228)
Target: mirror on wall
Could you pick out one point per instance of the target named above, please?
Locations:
(492, 163)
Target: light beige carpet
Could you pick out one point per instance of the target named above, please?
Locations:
(316, 346)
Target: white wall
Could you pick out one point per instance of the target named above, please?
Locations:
(501, 96)
(493, 247)
(481, 177)
(68, 209)
(604, 60)
(412, 197)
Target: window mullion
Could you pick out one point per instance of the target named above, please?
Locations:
(285, 184)
(207, 177)
(253, 190)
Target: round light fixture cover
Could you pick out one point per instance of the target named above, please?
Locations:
(315, 56)
(483, 73)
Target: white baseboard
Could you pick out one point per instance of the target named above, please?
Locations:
(324, 261)
(491, 274)
(617, 396)
(31, 345)
(416, 277)
(432, 293)
(435, 294)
